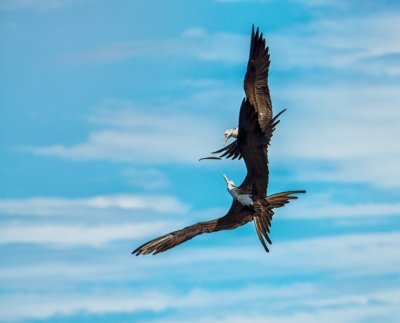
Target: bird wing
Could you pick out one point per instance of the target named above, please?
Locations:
(236, 216)
(229, 151)
(256, 78)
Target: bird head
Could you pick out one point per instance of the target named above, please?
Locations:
(231, 133)
(231, 184)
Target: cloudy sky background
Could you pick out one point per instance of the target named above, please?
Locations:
(105, 108)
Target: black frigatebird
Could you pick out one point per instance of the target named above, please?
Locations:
(254, 133)
(257, 93)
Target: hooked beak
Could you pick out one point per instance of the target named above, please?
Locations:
(226, 179)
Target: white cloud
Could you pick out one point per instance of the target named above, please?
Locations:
(152, 145)
(348, 44)
(358, 308)
(347, 260)
(287, 302)
(194, 42)
(54, 206)
(323, 206)
(344, 256)
(168, 134)
(69, 221)
(341, 210)
(37, 307)
(352, 129)
(364, 44)
(60, 271)
(78, 235)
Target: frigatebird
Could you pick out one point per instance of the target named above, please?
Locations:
(254, 133)
(257, 93)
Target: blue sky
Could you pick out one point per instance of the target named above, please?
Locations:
(105, 108)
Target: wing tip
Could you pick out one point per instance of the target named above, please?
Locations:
(279, 114)
(136, 253)
(210, 158)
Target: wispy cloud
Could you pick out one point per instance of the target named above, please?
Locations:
(324, 209)
(351, 129)
(344, 256)
(53, 206)
(194, 42)
(352, 308)
(69, 221)
(320, 300)
(341, 255)
(144, 136)
(341, 258)
(365, 44)
(77, 235)
(358, 44)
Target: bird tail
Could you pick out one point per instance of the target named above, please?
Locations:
(282, 198)
(264, 212)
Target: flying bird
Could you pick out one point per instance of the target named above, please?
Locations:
(253, 135)
(257, 94)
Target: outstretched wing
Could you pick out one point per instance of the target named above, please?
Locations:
(236, 216)
(256, 78)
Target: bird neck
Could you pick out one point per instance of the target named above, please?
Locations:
(232, 190)
(235, 132)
